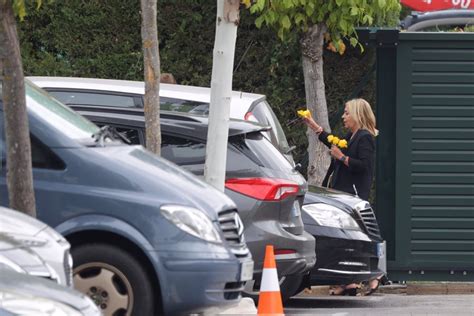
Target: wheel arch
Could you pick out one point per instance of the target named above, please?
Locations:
(121, 235)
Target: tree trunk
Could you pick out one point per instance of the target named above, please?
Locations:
(221, 92)
(312, 51)
(151, 63)
(19, 172)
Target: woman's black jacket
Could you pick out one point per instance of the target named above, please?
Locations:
(361, 153)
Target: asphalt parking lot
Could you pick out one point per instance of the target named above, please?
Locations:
(382, 304)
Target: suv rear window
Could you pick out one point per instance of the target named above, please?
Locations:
(182, 151)
(259, 149)
(178, 105)
(93, 98)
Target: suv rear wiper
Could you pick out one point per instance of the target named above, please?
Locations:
(107, 131)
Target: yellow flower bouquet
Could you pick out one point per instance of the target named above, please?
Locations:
(304, 113)
(341, 143)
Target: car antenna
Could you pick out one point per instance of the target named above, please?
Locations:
(355, 190)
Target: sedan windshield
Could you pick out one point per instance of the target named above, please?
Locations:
(60, 116)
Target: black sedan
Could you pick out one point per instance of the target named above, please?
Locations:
(349, 247)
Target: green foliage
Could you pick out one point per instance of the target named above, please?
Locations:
(101, 39)
(19, 7)
(289, 17)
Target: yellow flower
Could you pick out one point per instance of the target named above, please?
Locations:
(304, 113)
(342, 143)
(246, 3)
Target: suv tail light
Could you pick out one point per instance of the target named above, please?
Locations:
(266, 189)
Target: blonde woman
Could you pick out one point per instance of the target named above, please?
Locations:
(352, 168)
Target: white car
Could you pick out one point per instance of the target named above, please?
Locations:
(29, 246)
(22, 294)
(87, 92)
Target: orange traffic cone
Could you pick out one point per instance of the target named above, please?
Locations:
(269, 301)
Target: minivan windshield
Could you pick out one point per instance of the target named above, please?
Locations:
(60, 116)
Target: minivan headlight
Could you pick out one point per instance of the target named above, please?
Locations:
(192, 221)
(331, 216)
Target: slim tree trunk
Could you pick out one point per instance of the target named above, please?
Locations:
(151, 63)
(19, 171)
(312, 51)
(221, 92)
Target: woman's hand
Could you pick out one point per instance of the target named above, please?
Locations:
(336, 153)
(311, 123)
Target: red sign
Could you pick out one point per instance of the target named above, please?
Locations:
(435, 5)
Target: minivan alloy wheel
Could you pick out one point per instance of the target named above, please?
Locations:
(114, 279)
(107, 286)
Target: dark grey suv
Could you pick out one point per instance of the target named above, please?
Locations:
(266, 188)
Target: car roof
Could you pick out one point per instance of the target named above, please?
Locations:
(194, 126)
(417, 21)
(192, 93)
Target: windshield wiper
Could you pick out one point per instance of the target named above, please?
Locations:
(107, 131)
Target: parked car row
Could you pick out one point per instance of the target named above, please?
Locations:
(348, 241)
(146, 235)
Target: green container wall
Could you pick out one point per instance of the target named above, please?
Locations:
(425, 155)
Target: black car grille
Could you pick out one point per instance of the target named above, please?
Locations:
(370, 222)
(233, 230)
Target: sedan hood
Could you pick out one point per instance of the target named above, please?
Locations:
(16, 222)
(29, 286)
(20, 258)
(339, 199)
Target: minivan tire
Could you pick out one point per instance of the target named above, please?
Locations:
(93, 262)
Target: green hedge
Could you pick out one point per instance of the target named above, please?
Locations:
(102, 39)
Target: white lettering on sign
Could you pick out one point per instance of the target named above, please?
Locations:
(462, 3)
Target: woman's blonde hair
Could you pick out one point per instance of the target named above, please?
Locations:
(361, 112)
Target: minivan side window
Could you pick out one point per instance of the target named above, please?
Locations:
(41, 156)
(182, 151)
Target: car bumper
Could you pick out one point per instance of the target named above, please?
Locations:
(201, 285)
(344, 257)
(299, 262)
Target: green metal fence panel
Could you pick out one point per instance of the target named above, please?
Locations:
(434, 158)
